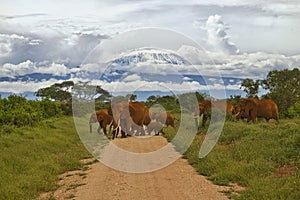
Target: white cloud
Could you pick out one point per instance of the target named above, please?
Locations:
(54, 69)
(186, 78)
(29, 67)
(9, 41)
(30, 86)
(246, 65)
(217, 37)
(132, 78)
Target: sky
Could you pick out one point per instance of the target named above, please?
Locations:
(243, 38)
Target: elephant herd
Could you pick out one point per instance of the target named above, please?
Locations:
(249, 109)
(133, 118)
(130, 118)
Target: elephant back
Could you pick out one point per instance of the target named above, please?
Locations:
(268, 109)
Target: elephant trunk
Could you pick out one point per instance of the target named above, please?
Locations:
(91, 130)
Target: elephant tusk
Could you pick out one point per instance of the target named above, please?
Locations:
(110, 123)
(237, 114)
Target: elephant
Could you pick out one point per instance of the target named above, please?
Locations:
(164, 118)
(238, 114)
(131, 116)
(104, 119)
(252, 108)
(155, 126)
(204, 108)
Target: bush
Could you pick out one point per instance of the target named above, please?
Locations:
(18, 111)
(293, 111)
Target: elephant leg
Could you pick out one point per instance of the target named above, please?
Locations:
(204, 120)
(103, 126)
(254, 119)
(142, 130)
(99, 129)
(104, 130)
(123, 134)
(149, 131)
(196, 123)
(137, 133)
(115, 132)
(249, 119)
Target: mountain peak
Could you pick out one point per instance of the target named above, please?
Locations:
(151, 56)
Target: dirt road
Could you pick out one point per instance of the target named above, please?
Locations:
(176, 181)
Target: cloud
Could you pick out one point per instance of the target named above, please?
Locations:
(186, 79)
(22, 16)
(247, 65)
(50, 45)
(217, 37)
(29, 86)
(29, 67)
(131, 78)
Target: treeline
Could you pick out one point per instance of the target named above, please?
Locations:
(18, 111)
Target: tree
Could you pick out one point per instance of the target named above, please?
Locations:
(86, 91)
(200, 96)
(82, 90)
(250, 87)
(131, 97)
(57, 91)
(284, 87)
(152, 99)
(234, 99)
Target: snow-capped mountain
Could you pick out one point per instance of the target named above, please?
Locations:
(151, 56)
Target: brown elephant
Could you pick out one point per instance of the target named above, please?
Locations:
(104, 119)
(164, 118)
(155, 126)
(238, 113)
(254, 108)
(204, 108)
(131, 116)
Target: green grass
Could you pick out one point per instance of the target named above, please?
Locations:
(250, 155)
(31, 158)
(247, 154)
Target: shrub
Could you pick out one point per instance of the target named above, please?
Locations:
(293, 111)
(18, 111)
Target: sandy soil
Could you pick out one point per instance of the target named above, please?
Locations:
(176, 181)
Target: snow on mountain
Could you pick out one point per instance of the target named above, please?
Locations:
(150, 56)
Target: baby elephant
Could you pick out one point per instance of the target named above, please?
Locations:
(156, 127)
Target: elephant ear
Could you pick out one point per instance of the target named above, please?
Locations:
(100, 117)
(132, 109)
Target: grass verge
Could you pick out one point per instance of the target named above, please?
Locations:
(264, 158)
(31, 158)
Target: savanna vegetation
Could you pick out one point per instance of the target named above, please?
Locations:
(38, 139)
(32, 157)
(263, 157)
